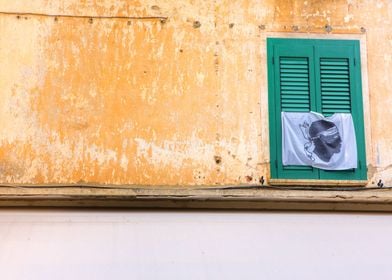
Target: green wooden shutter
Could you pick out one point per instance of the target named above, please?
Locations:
(339, 88)
(293, 81)
(314, 75)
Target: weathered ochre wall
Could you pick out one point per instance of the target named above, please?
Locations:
(174, 94)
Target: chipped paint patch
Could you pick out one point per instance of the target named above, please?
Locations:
(348, 18)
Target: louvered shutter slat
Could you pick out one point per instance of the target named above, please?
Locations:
(336, 88)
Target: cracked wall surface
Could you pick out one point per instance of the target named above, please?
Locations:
(164, 92)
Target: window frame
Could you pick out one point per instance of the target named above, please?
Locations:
(360, 175)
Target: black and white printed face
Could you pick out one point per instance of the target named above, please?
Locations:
(326, 139)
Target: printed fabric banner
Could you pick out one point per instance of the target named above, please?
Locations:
(323, 142)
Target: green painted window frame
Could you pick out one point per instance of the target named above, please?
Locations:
(313, 50)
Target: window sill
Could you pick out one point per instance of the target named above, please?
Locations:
(331, 183)
(202, 197)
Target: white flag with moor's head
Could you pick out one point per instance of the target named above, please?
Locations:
(323, 142)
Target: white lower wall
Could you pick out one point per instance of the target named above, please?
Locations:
(79, 244)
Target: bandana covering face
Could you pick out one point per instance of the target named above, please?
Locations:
(323, 142)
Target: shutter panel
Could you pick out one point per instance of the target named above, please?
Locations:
(337, 85)
(294, 81)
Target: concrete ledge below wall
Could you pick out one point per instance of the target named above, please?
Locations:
(229, 197)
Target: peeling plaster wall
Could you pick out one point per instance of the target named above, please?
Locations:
(157, 101)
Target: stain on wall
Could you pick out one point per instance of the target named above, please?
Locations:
(162, 92)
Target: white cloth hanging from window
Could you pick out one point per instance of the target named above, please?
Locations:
(323, 142)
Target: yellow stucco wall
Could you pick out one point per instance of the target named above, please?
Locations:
(176, 94)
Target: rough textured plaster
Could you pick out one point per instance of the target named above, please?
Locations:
(140, 101)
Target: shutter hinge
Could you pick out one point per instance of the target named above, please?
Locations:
(355, 62)
(276, 163)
